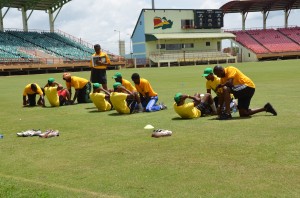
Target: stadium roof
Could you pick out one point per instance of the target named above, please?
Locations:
(259, 5)
(189, 36)
(34, 4)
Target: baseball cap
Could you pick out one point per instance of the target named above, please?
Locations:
(96, 85)
(117, 75)
(51, 80)
(177, 97)
(207, 71)
(117, 84)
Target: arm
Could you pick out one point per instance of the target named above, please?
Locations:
(105, 91)
(208, 91)
(228, 83)
(125, 90)
(75, 96)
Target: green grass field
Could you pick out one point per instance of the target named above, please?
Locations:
(103, 154)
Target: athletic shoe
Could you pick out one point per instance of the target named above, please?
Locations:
(32, 132)
(225, 116)
(49, 133)
(268, 107)
(162, 106)
(161, 133)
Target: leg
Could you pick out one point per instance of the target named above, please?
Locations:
(151, 106)
(32, 99)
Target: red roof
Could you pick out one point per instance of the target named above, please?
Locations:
(259, 5)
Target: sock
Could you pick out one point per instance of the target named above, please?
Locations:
(140, 106)
(213, 107)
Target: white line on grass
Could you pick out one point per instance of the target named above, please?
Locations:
(94, 194)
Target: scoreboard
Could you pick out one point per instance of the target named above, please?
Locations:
(208, 19)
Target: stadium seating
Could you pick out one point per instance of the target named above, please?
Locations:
(293, 33)
(274, 41)
(246, 40)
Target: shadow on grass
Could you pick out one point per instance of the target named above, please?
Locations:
(234, 118)
(179, 118)
(91, 108)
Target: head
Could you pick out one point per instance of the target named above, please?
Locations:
(67, 77)
(178, 98)
(97, 48)
(118, 77)
(51, 81)
(33, 87)
(96, 86)
(59, 87)
(135, 77)
(116, 86)
(219, 71)
(208, 74)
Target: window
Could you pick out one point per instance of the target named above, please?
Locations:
(187, 24)
(188, 45)
(208, 43)
(160, 46)
(173, 46)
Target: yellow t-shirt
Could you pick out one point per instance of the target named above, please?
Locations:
(187, 110)
(28, 90)
(101, 55)
(238, 77)
(213, 84)
(100, 102)
(76, 82)
(128, 85)
(145, 87)
(52, 96)
(118, 100)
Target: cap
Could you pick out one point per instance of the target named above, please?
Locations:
(177, 97)
(51, 80)
(117, 84)
(207, 71)
(96, 85)
(117, 75)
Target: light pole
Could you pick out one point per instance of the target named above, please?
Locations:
(119, 41)
(130, 43)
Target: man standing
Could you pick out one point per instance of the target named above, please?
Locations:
(200, 106)
(242, 87)
(123, 100)
(30, 91)
(147, 94)
(99, 63)
(101, 100)
(82, 88)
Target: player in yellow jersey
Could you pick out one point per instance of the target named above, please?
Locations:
(82, 88)
(30, 91)
(125, 83)
(123, 100)
(148, 96)
(56, 94)
(199, 106)
(101, 100)
(242, 87)
(99, 63)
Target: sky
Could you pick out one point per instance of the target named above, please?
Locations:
(94, 21)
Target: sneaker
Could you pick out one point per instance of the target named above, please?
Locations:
(225, 116)
(268, 107)
(49, 133)
(161, 133)
(162, 106)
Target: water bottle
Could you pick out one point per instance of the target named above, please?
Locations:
(1, 136)
(234, 106)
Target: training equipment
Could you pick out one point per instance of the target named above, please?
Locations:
(149, 126)
(49, 133)
(29, 133)
(161, 133)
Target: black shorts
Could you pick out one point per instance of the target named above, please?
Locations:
(84, 94)
(244, 97)
(131, 104)
(205, 108)
(98, 76)
(31, 99)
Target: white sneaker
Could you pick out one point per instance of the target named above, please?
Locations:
(49, 133)
(161, 133)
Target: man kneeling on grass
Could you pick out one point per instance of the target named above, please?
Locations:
(125, 101)
(101, 100)
(200, 106)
